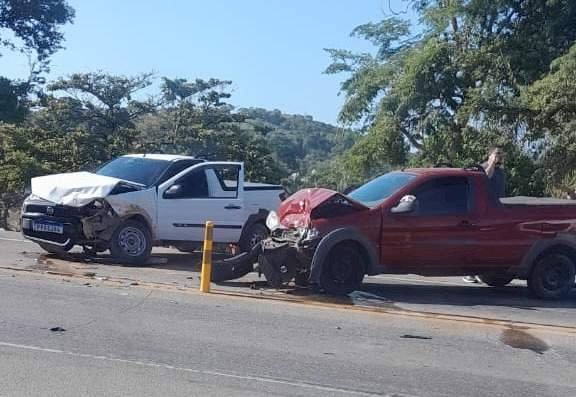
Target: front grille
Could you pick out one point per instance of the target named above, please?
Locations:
(56, 210)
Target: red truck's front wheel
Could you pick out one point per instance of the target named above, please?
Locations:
(552, 276)
(343, 270)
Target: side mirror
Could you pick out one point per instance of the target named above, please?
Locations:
(173, 191)
(406, 205)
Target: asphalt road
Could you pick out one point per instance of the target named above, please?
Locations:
(63, 336)
(133, 341)
(447, 296)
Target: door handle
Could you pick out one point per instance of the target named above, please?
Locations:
(233, 207)
(466, 223)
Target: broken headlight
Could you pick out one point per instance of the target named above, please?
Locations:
(272, 221)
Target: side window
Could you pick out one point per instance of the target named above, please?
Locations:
(444, 196)
(223, 181)
(176, 168)
(194, 185)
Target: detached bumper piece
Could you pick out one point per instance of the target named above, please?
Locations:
(279, 261)
(235, 267)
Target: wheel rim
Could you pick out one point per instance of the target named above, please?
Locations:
(132, 241)
(555, 277)
(256, 238)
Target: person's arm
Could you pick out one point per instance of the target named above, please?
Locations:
(490, 165)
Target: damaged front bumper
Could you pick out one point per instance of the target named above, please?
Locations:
(64, 226)
(284, 257)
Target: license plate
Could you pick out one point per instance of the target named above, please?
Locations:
(48, 227)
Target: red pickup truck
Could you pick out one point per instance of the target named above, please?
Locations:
(432, 222)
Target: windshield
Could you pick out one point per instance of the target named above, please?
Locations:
(378, 189)
(135, 169)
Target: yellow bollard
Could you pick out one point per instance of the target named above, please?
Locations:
(206, 273)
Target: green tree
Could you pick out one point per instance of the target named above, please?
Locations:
(551, 102)
(195, 119)
(102, 105)
(32, 28)
(13, 100)
(454, 84)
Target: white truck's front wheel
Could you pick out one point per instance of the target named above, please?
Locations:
(131, 243)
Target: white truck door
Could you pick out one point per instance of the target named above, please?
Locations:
(209, 191)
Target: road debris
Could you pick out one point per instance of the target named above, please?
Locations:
(57, 329)
(408, 336)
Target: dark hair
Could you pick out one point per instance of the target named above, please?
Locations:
(493, 148)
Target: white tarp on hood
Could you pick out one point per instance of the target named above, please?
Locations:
(74, 189)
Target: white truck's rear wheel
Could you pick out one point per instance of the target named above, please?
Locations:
(253, 235)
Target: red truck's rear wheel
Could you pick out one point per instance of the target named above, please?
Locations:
(552, 276)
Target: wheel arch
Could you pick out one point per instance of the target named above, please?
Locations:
(564, 244)
(142, 219)
(259, 217)
(344, 236)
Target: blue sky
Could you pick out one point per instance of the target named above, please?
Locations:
(272, 50)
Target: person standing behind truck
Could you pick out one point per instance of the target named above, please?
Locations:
(497, 182)
(494, 171)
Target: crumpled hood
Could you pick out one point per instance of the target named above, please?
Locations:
(75, 189)
(296, 210)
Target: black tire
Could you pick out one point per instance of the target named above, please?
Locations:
(552, 276)
(301, 279)
(131, 243)
(342, 271)
(496, 280)
(222, 271)
(252, 236)
(55, 249)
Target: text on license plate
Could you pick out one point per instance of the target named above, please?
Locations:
(48, 227)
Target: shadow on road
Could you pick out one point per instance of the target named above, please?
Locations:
(381, 293)
(465, 295)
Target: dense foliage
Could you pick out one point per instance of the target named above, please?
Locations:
(480, 73)
(86, 119)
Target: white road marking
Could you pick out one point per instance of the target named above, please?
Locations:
(201, 371)
(15, 240)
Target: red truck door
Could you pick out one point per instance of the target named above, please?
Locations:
(438, 233)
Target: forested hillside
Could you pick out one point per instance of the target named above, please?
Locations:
(300, 144)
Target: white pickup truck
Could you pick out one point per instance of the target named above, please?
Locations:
(137, 201)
